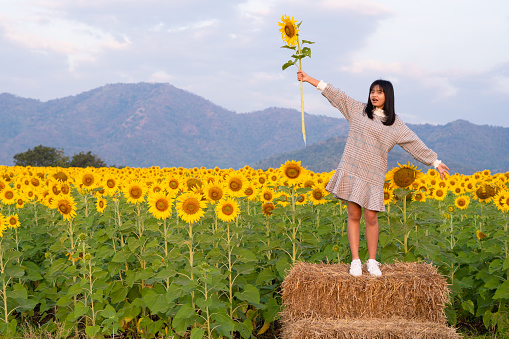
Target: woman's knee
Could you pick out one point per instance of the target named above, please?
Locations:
(371, 218)
(354, 211)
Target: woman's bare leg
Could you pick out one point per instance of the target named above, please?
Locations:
(371, 218)
(353, 227)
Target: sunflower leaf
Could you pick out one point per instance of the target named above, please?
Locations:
(307, 42)
(306, 51)
(288, 64)
(299, 56)
(286, 46)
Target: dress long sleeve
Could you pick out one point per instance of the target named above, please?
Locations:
(411, 143)
(342, 102)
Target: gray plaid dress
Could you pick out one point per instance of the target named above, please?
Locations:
(360, 175)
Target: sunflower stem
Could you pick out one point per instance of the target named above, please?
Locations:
(301, 94)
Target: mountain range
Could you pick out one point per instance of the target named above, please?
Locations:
(155, 124)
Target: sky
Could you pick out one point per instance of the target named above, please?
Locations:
(447, 60)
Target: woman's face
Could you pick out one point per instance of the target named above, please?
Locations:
(377, 97)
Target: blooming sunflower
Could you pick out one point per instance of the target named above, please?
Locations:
(404, 175)
(251, 192)
(432, 172)
(214, 191)
(439, 193)
(190, 207)
(55, 188)
(13, 221)
(8, 196)
(308, 182)
(484, 193)
(173, 184)
(160, 205)
(235, 183)
(267, 208)
(266, 194)
(289, 30)
(65, 205)
(3, 225)
(317, 196)
(65, 189)
(292, 171)
(301, 199)
(29, 195)
(135, 192)
(88, 180)
(20, 202)
(261, 179)
(462, 202)
(110, 185)
(501, 200)
(470, 186)
(419, 196)
(100, 204)
(227, 210)
(388, 195)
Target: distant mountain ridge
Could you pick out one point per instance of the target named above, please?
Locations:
(153, 124)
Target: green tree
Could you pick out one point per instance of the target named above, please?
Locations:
(42, 156)
(88, 159)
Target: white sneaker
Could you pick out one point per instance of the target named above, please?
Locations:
(373, 267)
(356, 268)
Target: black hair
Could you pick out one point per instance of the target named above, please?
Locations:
(390, 114)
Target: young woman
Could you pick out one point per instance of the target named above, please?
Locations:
(374, 129)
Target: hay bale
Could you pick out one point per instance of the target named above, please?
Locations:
(366, 328)
(405, 290)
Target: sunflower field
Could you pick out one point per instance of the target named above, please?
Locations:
(193, 253)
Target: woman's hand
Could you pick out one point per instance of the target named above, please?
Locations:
(302, 76)
(443, 170)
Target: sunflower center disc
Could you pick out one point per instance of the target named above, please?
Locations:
(227, 209)
(161, 205)
(404, 177)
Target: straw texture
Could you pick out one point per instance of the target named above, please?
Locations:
(413, 291)
(310, 328)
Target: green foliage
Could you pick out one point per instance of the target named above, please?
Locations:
(88, 159)
(43, 156)
(124, 271)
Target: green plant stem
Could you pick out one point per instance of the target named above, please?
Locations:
(191, 258)
(452, 236)
(301, 95)
(4, 287)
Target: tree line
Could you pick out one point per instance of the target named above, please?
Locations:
(44, 156)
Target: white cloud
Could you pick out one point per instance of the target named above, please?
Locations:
(370, 8)
(501, 84)
(40, 29)
(256, 9)
(161, 76)
(439, 35)
(193, 26)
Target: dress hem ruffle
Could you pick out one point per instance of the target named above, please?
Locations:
(348, 187)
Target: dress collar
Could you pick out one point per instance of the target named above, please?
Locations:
(379, 112)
